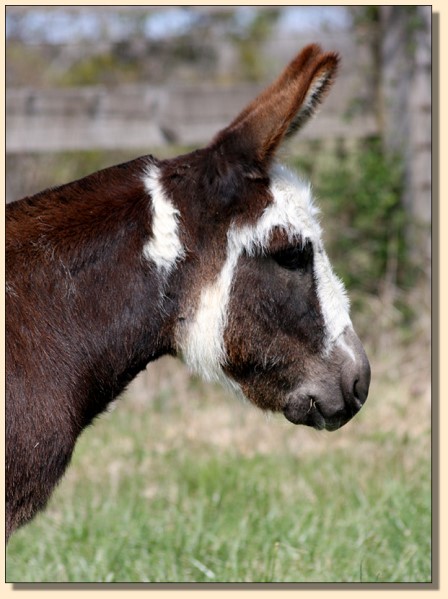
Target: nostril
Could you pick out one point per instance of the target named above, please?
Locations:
(360, 389)
(356, 369)
(356, 390)
(359, 400)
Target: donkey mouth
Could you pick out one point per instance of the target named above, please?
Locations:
(314, 416)
(331, 403)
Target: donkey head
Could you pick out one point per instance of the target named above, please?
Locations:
(236, 234)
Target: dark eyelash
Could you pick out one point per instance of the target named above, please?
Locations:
(295, 258)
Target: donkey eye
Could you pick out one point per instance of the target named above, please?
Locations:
(295, 258)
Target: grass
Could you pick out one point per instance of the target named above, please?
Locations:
(189, 486)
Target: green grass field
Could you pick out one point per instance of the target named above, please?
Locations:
(184, 484)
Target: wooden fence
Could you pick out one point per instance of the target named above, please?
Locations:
(143, 117)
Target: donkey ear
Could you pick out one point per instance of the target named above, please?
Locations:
(281, 109)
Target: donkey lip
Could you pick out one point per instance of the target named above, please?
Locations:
(313, 417)
(333, 426)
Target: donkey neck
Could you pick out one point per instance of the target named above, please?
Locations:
(92, 288)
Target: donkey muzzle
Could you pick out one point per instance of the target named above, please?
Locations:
(331, 401)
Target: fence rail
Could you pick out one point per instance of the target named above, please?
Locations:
(142, 117)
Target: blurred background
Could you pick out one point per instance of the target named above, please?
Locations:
(88, 87)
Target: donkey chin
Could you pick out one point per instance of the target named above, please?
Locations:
(329, 402)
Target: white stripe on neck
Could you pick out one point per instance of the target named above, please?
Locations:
(164, 248)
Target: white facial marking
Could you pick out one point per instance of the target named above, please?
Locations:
(202, 343)
(164, 248)
(290, 192)
(345, 347)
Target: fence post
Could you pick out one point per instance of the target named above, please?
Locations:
(406, 112)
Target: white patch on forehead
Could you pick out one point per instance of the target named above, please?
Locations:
(164, 248)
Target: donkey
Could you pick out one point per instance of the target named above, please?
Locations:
(214, 256)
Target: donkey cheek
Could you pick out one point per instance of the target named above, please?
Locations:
(261, 378)
(263, 398)
(262, 393)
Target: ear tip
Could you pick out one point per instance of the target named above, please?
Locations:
(305, 57)
(313, 48)
(328, 63)
(312, 57)
(333, 59)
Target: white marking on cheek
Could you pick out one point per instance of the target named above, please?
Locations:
(202, 341)
(164, 248)
(203, 344)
